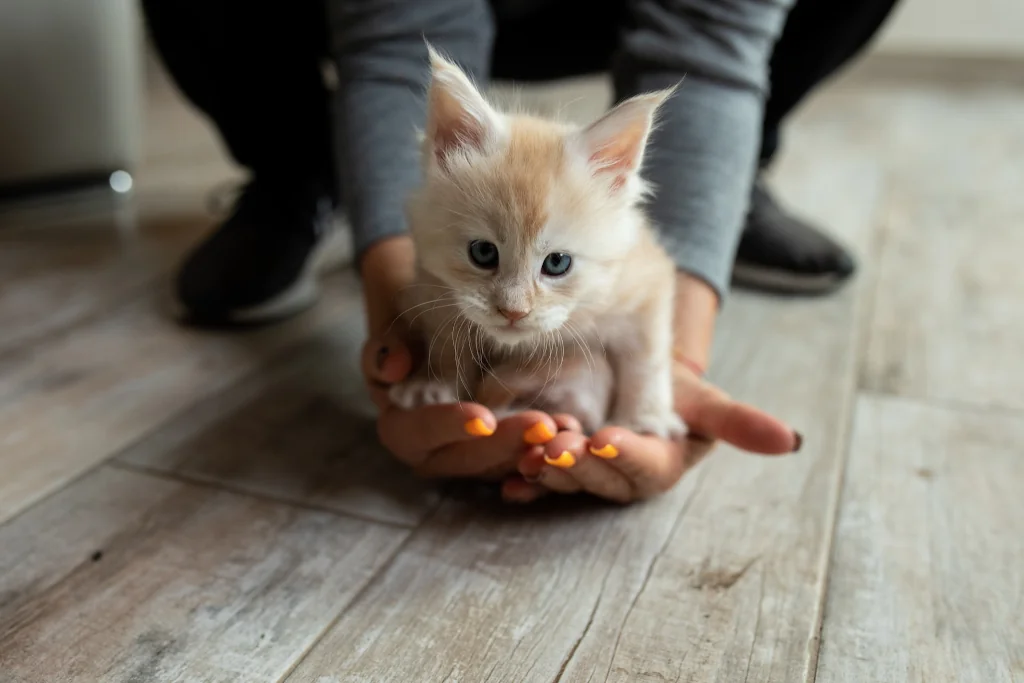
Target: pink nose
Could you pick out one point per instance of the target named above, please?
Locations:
(513, 316)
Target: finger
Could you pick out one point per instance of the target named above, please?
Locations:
(513, 437)
(652, 465)
(566, 422)
(386, 360)
(413, 434)
(742, 425)
(515, 489)
(569, 467)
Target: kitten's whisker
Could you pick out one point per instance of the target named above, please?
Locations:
(430, 348)
(464, 326)
(414, 307)
(430, 310)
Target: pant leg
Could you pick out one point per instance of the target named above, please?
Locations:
(819, 37)
(255, 70)
(702, 157)
(383, 74)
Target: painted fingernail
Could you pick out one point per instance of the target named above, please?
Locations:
(798, 441)
(477, 427)
(538, 434)
(607, 451)
(382, 354)
(565, 460)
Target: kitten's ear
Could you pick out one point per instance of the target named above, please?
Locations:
(458, 116)
(615, 143)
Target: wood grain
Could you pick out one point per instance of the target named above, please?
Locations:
(721, 580)
(926, 582)
(949, 324)
(69, 403)
(124, 577)
(72, 273)
(301, 430)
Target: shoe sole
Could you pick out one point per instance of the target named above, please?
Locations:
(332, 252)
(775, 281)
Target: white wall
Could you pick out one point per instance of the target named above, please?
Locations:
(983, 28)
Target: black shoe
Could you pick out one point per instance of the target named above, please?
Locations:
(783, 254)
(261, 264)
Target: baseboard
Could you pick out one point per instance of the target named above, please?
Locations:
(889, 66)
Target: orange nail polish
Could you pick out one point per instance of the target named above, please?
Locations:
(477, 427)
(564, 461)
(607, 451)
(538, 434)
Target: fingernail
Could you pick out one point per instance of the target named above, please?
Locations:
(538, 434)
(565, 460)
(382, 354)
(798, 440)
(607, 451)
(532, 478)
(477, 427)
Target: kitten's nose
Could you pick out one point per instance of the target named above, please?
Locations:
(513, 316)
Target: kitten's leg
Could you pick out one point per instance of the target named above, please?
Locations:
(583, 389)
(420, 390)
(449, 369)
(642, 360)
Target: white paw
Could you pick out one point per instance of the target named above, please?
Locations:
(663, 424)
(415, 393)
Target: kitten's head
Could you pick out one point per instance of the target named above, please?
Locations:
(525, 219)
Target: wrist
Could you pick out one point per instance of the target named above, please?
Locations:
(696, 311)
(386, 267)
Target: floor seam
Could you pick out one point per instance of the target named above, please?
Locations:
(257, 495)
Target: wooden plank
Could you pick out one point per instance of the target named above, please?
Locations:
(81, 270)
(720, 580)
(125, 577)
(926, 582)
(300, 431)
(67, 404)
(948, 323)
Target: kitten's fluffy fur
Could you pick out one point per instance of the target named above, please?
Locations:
(533, 187)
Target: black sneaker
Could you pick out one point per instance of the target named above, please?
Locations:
(261, 264)
(782, 254)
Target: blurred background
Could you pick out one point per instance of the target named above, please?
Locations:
(83, 103)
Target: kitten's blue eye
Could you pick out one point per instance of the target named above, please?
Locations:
(556, 264)
(484, 254)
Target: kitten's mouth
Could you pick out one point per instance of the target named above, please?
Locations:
(510, 332)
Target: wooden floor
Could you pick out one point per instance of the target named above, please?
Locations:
(185, 506)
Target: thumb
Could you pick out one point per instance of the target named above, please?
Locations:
(386, 359)
(741, 425)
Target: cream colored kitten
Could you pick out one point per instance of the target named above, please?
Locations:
(539, 277)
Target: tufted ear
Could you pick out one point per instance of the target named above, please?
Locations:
(615, 143)
(458, 117)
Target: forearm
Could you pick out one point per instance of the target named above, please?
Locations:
(381, 57)
(703, 155)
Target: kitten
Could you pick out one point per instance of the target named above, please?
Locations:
(540, 280)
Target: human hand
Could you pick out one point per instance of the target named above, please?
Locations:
(629, 466)
(623, 466)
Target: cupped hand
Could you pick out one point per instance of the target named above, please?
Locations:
(455, 440)
(623, 466)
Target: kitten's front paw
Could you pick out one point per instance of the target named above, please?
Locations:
(666, 425)
(415, 393)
